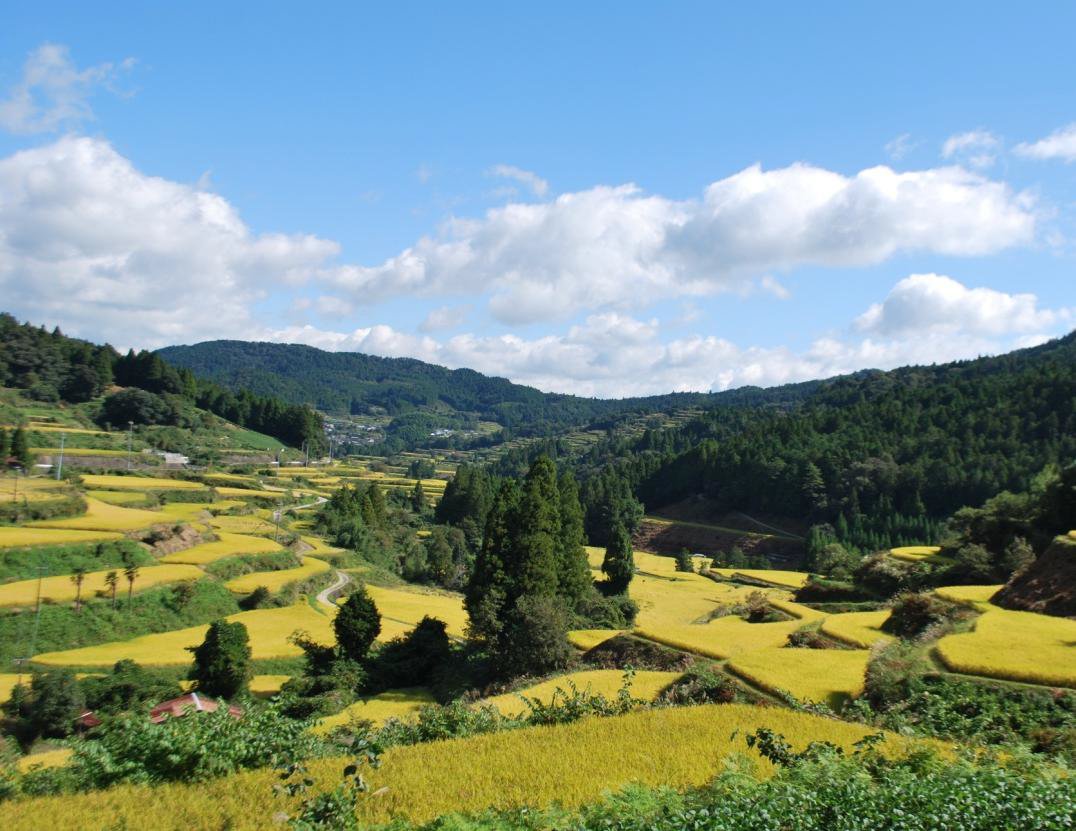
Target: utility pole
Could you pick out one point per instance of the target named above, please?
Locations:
(60, 466)
(130, 429)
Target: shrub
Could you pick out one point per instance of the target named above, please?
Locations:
(913, 614)
(414, 658)
(535, 637)
(128, 687)
(48, 707)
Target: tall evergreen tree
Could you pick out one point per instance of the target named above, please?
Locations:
(488, 589)
(418, 498)
(20, 448)
(619, 563)
(573, 578)
(357, 625)
(222, 661)
(533, 565)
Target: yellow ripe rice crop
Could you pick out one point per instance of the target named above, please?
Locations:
(590, 638)
(20, 537)
(47, 759)
(407, 607)
(244, 493)
(319, 546)
(276, 580)
(76, 451)
(121, 498)
(398, 704)
(74, 431)
(100, 516)
(62, 590)
(8, 680)
(1015, 646)
(105, 481)
(190, 511)
(647, 685)
(828, 676)
(723, 638)
(229, 545)
(30, 490)
(268, 628)
(266, 686)
(978, 596)
(860, 629)
(249, 524)
(784, 579)
(571, 764)
(682, 599)
(914, 553)
(797, 610)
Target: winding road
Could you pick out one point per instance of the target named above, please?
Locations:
(325, 595)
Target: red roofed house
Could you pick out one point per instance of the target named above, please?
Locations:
(189, 703)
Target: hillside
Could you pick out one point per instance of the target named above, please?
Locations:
(351, 382)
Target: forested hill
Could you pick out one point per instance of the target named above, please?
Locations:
(883, 456)
(351, 382)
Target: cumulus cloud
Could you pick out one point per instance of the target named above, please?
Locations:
(978, 148)
(89, 241)
(537, 185)
(616, 247)
(923, 303)
(925, 319)
(53, 93)
(1060, 144)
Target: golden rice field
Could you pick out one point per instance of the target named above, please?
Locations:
(319, 546)
(402, 609)
(268, 628)
(190, 511)
(862, 629)
(398, 704)
(121, 498)
(776, 577)
(100, 516)
(8, 680)
(571, 764)
(74, 431)
(30, 490)
(47, 759)
(76, 451)
(228, 545)
(24, 537)
(111, 482)
(825, 675)
(589, 638)
(244, 493)
(276, 580)
(914, 553)
(266, 686)
(682, 599)
(969, 595)
(1015, 646)
(796, 610)
(248, 524)
(61, 590)
(723, 638)
(646, 685)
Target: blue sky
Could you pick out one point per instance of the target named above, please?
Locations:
(566, 196)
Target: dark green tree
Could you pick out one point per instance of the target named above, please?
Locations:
(488, 589)
(573, 579)
(222, 661)
(619, 563)
(357, 625)
(20, 448)
(532, 566)
(418, 498)
(535, 637)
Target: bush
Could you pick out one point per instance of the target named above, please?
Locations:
(414, 658)
(222, 660)
(48, 707)
(535, 638)
(128, 687)
(702, 685)
(914, 614)
(357, 625)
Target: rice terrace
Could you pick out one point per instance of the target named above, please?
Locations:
(584, 418)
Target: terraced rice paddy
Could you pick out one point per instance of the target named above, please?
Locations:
(571, 764)
(723, 638)
(646, 685)
(402, 609)
(30, 490)
(783, 579)
(274, 581)
(915, 553)
(62, 590)
(228, 545)
(47, 759)
(121, 498)
(100, 516)
(398, 704)
(268, 628)
(248, 524)
(191, 511)
(1015, 646)
(823, 675)
(969, 595)
(590, 638)
(266, 686)
(23, 537)
(110, 482)
(860, 629)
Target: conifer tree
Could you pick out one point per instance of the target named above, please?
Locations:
(619, 563)
(357, 625)
(574, 582)
(532, 567)
(418, 498)
(487, 591)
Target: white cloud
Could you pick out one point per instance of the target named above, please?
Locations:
(88, 241)
(444, 317)
(53, 93)
(615, 247)
(900, 146)
(933, 303)
(978, 148)
(537, 185)
(925, 319)
(1060, 144)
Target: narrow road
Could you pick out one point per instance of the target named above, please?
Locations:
(325, 595)
(279, 512)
